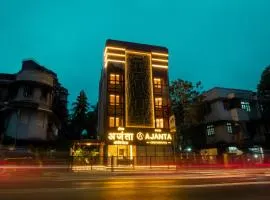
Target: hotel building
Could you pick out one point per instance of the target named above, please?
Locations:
(134, 106)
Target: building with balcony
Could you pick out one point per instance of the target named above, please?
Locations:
(233, 118)
(26, 100)
(134, 107)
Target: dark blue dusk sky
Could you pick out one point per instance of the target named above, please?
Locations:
(220, 42)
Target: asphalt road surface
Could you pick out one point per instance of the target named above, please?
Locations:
(139, 187)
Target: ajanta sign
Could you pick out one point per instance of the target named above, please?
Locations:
(140, 137)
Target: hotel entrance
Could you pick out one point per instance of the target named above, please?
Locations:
(122, 154)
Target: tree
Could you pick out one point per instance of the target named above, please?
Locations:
(60, 110)
(79, 115)
(186, 98)
(264, 92)
(187, 105)
(92, 119)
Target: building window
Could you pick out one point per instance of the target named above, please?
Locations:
(210, 130)
(157, 82)
(114, 122)
(158, 102)
(229, 127)
(245, 106)
(114, 99)
(27, 91)
(159, 123)
(114, 79)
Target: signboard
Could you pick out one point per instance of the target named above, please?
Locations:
(154, 138)
(126, 138)
(121, 137)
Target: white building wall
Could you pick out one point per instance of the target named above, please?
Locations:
(222, 135)
(28, 124)
(218, 112)
(31, 123)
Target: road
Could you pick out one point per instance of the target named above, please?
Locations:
(138, 187)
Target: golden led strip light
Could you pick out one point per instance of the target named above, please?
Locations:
(112, 60)
(151, 92)
(160, 54)
(114, 48)
(137, 52)
(160, 66)
(161, 60)
(115, 54)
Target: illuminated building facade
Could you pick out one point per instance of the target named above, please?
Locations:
(134, 106)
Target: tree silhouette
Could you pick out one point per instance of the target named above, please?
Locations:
(264, 92)
(92, 119)
(188, 108)
(79, 115)
(186, 99)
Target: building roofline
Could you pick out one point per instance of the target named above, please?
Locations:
(6, 76)
(31, 64)
(233, 89)
(136, 46)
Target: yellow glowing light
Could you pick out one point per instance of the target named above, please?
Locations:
(158, 130)
(173, 130)
(114, 48)
(160, 54)
(115, 54)
(158, 142)
(138, 52)
(160, 60)
(120, 128)
(151, 88)
(120, 136)
(120, 142)
(158, 136)
(117, 61)
(131, 152)
(160, 66)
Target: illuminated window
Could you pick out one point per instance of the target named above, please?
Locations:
(157, 82)
(229, 127)
(245, 106)
(159, 123)
(114, 122)
(158, 102)
(117, 124)
(210, 130)
(114, 99)
(114, 79)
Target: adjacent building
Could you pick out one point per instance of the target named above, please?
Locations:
(26, 103)
(233, 118)
(134, 107)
